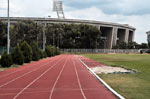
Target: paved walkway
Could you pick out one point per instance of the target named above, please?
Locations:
(60, 77)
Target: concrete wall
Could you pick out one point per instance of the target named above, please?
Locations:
(121, 35)
(108, 33)
(131, 36)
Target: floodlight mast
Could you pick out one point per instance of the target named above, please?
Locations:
(58, 8)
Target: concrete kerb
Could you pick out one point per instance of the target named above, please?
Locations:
(102, 81)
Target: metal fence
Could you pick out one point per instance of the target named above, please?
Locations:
(4, 49)
(100, 50)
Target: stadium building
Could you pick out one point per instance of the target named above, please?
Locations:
(112, 33)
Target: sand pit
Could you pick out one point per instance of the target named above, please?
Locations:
(110, 70)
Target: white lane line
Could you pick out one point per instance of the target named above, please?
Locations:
(20, 69)
(36, 79)
(24, 74)
(79, 80)
(51, 93)
(101, 80)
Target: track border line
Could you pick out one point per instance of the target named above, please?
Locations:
(101, 80)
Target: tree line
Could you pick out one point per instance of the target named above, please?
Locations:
(61, 35)
(78, 36)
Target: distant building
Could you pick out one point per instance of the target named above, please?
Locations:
(113, 33)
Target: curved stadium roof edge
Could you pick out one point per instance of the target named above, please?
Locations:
(70, 20)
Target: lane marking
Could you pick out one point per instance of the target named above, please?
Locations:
(79, 80)
(101, 80)
(24, 74)
(51, 93)
(36, 79)
(21, 69)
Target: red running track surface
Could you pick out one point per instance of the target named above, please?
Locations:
(90, 63)
(60, 77)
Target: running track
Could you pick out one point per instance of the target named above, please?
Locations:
(60, 77)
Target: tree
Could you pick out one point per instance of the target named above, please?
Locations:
(3, 34)
(132, 45)
(123, 45)
(17, 56)
(80, 36)
(26, 30)
(49, 51)
(27, 51)
(44, 54)
(57, 51)
(144, 46)
(6, 60)
(35, 51)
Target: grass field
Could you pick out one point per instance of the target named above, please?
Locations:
(131, 86)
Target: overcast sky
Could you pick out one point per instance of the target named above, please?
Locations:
(133, 12)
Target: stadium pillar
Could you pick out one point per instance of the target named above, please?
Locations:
(114, 41)
(127, 35)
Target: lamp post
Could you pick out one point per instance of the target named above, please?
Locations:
(44, 38)
(8, 34)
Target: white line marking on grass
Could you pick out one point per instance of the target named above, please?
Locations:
(24, 74)
(101, 80)
(51, 93)
(79, 80)
(36, 79)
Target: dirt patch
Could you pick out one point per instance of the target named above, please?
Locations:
(111, 70)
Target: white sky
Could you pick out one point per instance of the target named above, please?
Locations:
(133, 12)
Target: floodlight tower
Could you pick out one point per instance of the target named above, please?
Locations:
(58, 7)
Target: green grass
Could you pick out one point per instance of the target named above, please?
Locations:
(131, 86)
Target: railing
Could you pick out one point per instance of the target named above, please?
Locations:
(100, 50)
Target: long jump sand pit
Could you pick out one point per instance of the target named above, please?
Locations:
(110, 70)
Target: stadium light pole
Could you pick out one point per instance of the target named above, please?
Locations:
(8, 34)
(44, 36)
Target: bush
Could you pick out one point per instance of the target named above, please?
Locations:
(36, 55)
(6, 60)
(41, 54)
(49, 51)
(44, 54)
(17, 56)
(123, 45)
(56, 51)
(27, 51)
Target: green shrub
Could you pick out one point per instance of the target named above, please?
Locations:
(6, 60)
(35, 52)
(57, 51)
(44, 54)
(27, 51)
(49, 51)
(41, 54)
(17, 56)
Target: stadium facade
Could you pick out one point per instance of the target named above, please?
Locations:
(112, 33)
